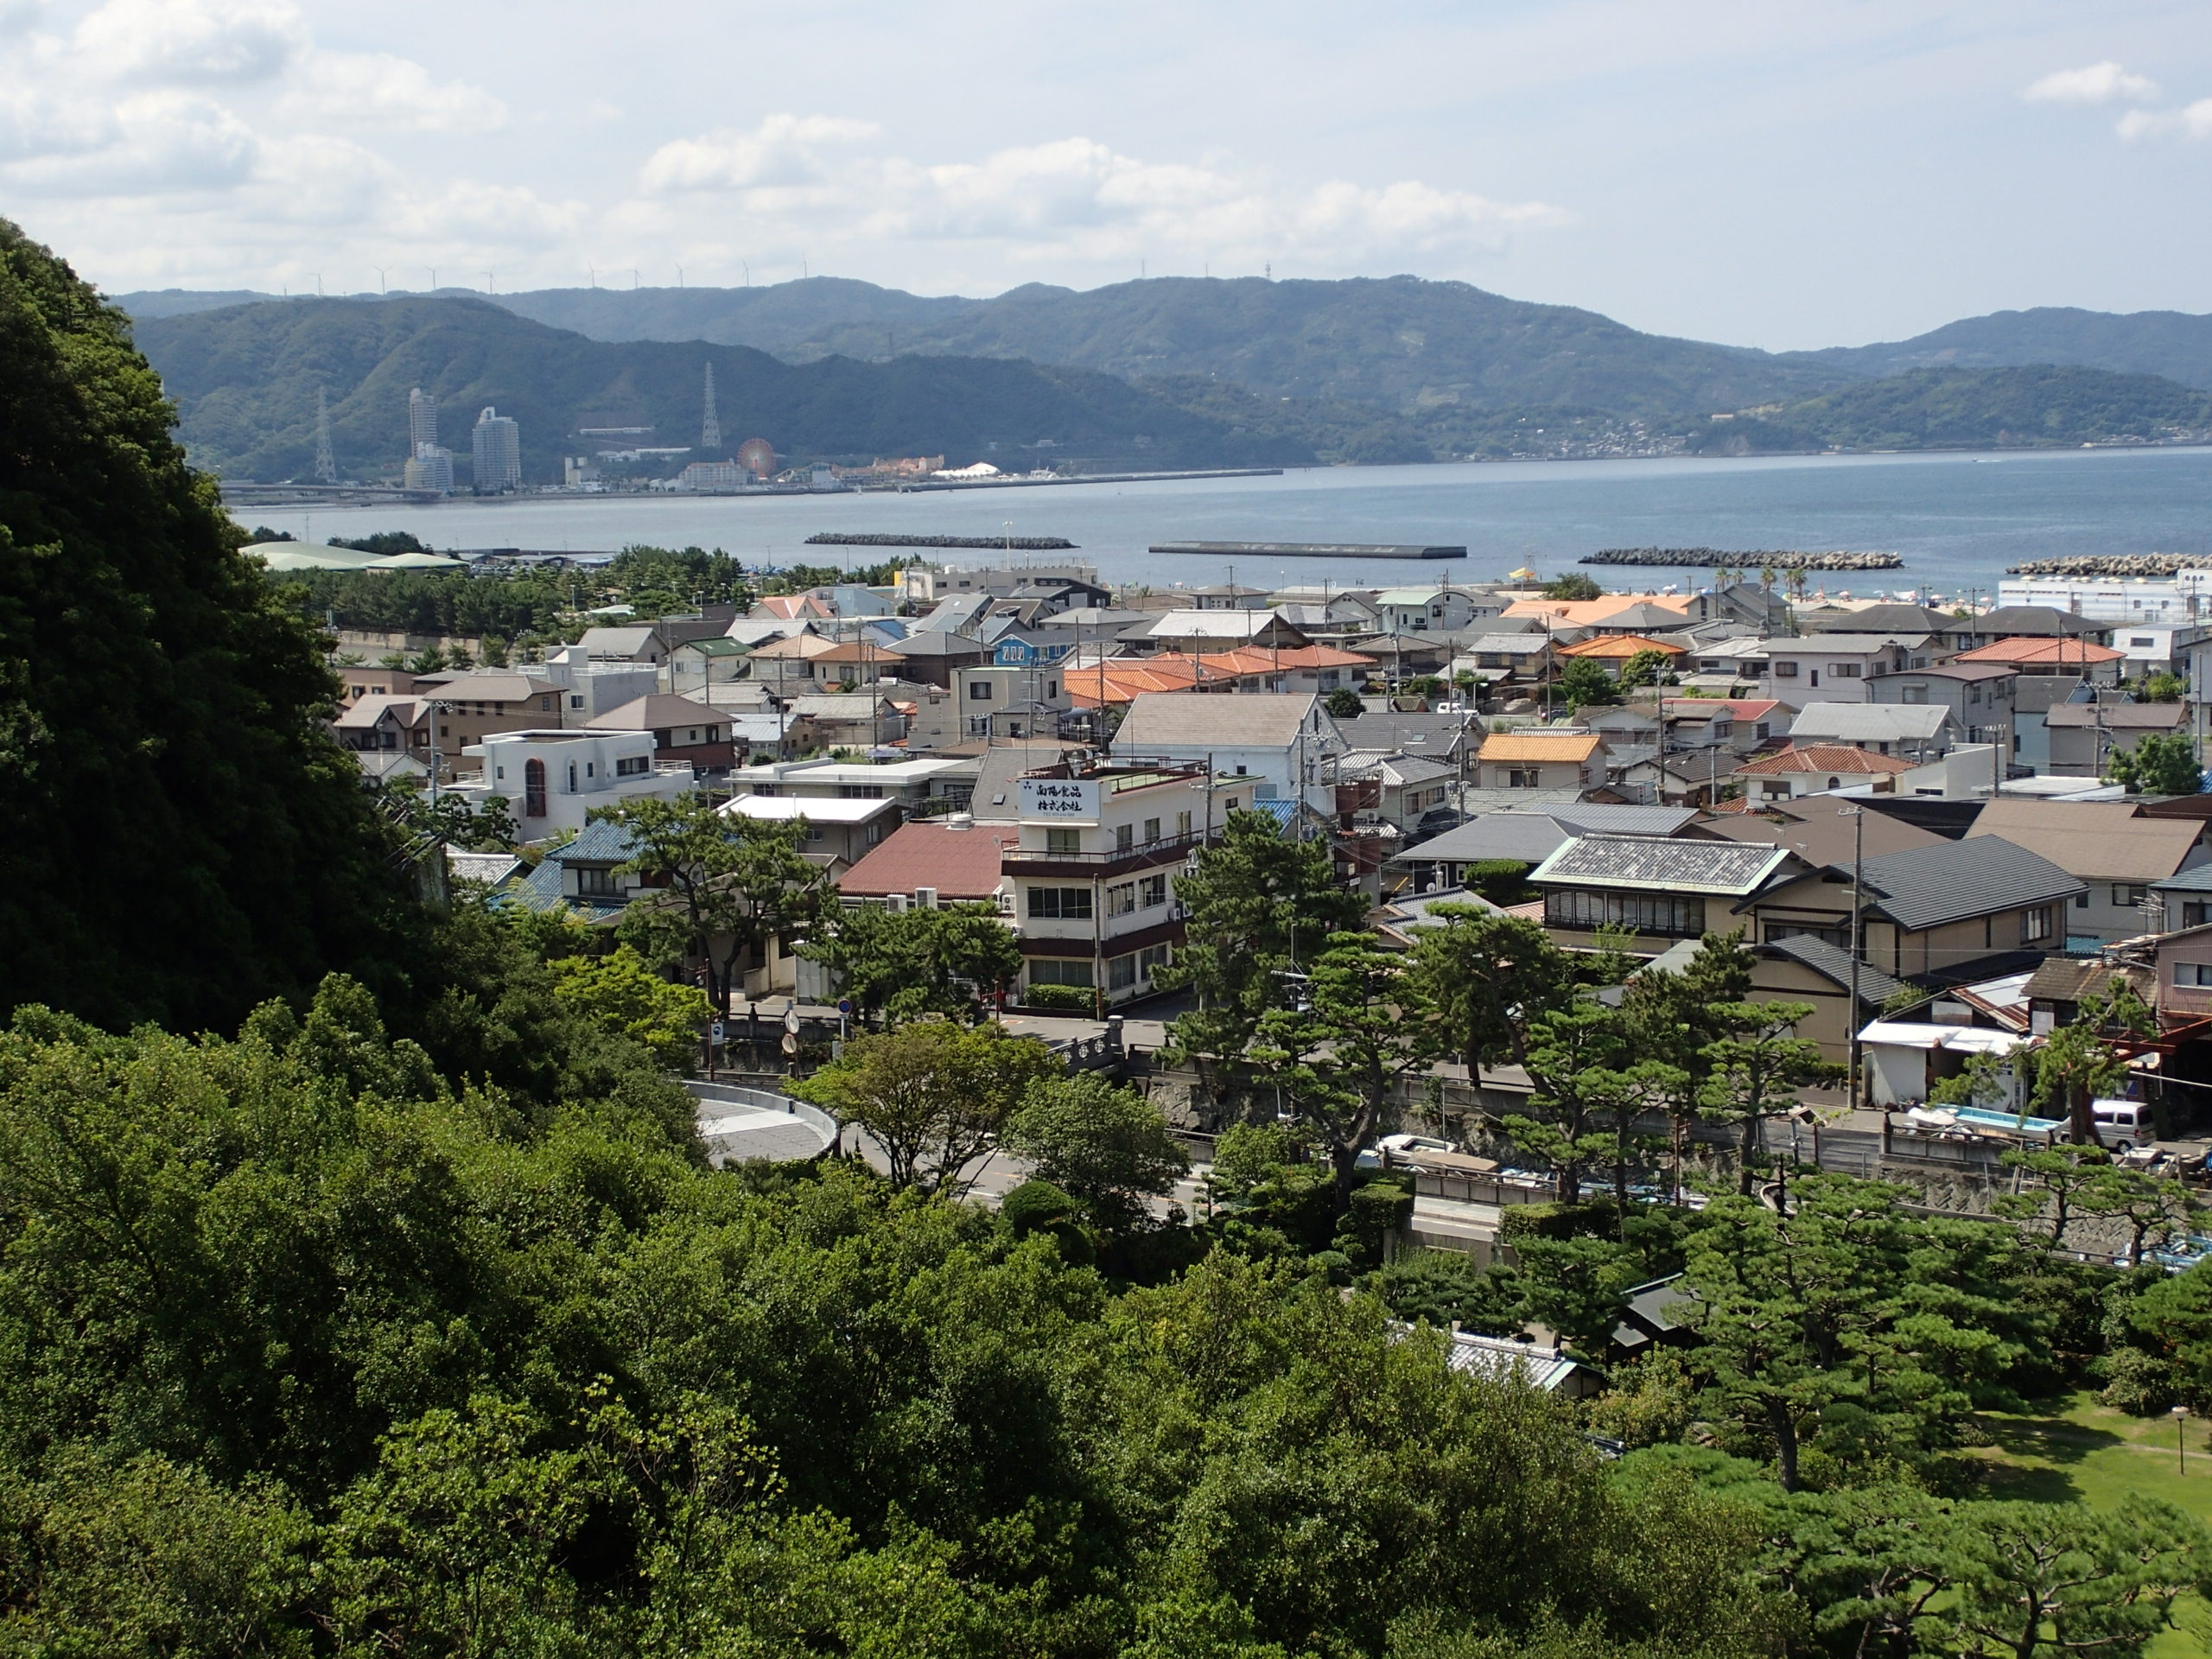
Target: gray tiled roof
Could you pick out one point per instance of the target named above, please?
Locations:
(1833, 963)
(1702, 867)
(1928, 887)
(2197, 880)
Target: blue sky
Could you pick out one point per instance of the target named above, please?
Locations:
(1767, 174)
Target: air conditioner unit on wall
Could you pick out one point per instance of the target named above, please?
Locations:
(926, 898)
(895, 903)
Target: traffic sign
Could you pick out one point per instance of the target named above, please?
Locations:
(790, 1021)
(716, 1031)
(844, 1005)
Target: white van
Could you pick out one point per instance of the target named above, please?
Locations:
(2122, 1125)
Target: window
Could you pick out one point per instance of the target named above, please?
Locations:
(1151, 831)
(1120, 973)
(859, 792)
(545, 705)
(1121, 901)
(596, 882)
(1152, 958)
(1523, 777)
(1785, 671)
(1153, 891)
(2139, 641)
(2035, 924)
(979, 691)
(591, 769)
(1125, 837)
(2195, 913)
(2081, 900)
(1062, 840)
(632, 766)
(1230, 804)
(1915, 694)
(1182, 824)
(1060, 905)
(2130, 894)
(572, 777)
(533, 790)
(2193, 973)
(1844, 671)
(1645, 912)
(1059, 970)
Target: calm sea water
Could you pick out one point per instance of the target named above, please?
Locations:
(1959, 520)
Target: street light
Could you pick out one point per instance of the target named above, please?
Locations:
(2181, 1450)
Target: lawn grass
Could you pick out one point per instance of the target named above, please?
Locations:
(2081, 1450)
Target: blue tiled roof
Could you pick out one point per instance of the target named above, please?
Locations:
(1280, 808)
(602, 842)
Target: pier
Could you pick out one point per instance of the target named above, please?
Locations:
(1310, 550)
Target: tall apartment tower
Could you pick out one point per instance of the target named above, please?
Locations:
(710, 424)
(498, 443)
(422, 419)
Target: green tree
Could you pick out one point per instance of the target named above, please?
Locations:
(932, 1095)
(2163, 687)
(160, 709)
(1344, 703)
(1106, 1147)
(898, 966)
(1847, 1323)
(622, 994)
(2161, 763)
(2078, 1061)
(719, 887)
(2029, 1580)
(1650, 666)
(1490, 978)
(1756, 1069)
(2065, 1176)
(1574, 585)
(2141, 1202)
(1674, 1019)
(1260, 904)
(1362, 1029)
(1584, 684)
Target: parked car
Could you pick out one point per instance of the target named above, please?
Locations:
(2122, 1125)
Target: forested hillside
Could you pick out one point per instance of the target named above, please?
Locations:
(2173, 344)
(244, 380)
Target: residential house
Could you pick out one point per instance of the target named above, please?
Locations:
(1660, 888)
(1945, 633)
(2027, 622)
(1823, 829)
(1752, 723)
(1094, 868)
(1490, 657)
(1529, 838)
(1281, 741)
(2148, 650)
(1806, 967)
(1836, 667)
(641, 643)
(1307, 668)
(1208, 631)
(376, 723)
(1725, 666)
(2185, 900)
(692, 733)
(928, 862)
(706, 661)
(1812, 768)
(590, 686)
(2071, 655)
(1541, 759)
(1449, 738)
(1614, 652)
(2184, 960)
(471, 707)
(863, 720)
(919, 786)
(839, 832)
(582, 876)
(2084, 736)
(1423, 610)
(1978, 696)
(1940, 912)
(1917, 733)
(1374, 787)
(369, 680)
(931, 656)
(2120, 856)
(553, 779)
(988, 701)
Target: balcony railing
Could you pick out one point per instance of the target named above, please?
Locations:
(1159, 851)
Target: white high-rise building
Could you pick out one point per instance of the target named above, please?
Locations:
(421, 420)
(497, 442)
(430, 468)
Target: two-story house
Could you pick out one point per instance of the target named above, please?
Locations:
(1916, 732)
(1837, 667)
(1661, 888)
(1978, 696)
(2083, 737)
(2120, 856)
(553, 780)
(1541, 759)
(1093, 871)
(1280, 741)
(838, 832)
(468, 708)
(683, 732)
(1423, 610)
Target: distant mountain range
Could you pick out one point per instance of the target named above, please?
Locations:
(1202, 372)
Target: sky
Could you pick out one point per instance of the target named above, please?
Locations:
(1754, 171)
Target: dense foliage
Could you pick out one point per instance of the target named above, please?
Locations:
(183, 839)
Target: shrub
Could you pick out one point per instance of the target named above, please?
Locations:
(1593, 1219)
(2140, 1384)
(1074, 999)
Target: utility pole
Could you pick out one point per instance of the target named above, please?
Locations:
(1858, 815)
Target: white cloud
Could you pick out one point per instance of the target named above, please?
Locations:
(804, 181)
(159, 143)
(2096, 83)
(394, 92)
(2192, 121)
(204, 43)
(783, 150)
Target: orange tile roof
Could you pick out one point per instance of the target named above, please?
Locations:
(1121, 681)
(1590, 612)
(1622, 646)
(2055, 653)
(1538, 746)
(1824, 756)
(1260, 659)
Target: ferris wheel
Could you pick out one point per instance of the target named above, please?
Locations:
(758, 456)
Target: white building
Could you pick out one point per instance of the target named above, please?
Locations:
(430, 468)
(591, 688)
(497, 440)
(2110, 599)
(553, 780)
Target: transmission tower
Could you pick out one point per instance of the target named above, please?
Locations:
(326, 466)
(710, 424)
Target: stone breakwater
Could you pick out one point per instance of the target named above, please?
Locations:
(1754, 559)
(999, 544)
(2106, 564)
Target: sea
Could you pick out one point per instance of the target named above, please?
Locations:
(1957, 519)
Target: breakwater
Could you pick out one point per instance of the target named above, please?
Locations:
(1752, 559)
(2106, 564)
(995, 543)
(1310, 550)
